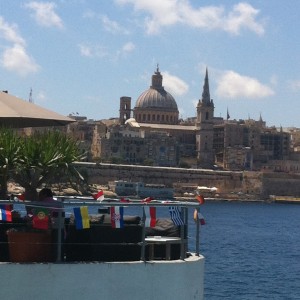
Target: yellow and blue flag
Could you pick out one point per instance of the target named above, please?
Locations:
(82, 220)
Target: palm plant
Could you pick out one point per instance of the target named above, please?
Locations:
(46, 156)
(10, 156)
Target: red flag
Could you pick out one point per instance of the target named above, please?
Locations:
(40, 218)
(148, 199)
(200, 199)
(99, 196)
(21, 197)
(150, 213)
(124, 200)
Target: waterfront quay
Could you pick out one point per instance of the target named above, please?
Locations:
(247, 185)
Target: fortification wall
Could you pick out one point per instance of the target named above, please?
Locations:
(282, 184)
(256, 184)
(105, 173)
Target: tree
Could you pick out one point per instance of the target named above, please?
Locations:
(10, 156)
(46, 156)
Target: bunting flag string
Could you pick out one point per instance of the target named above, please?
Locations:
(82, 220)
(116, 216)
(150, 214)
(176, 215)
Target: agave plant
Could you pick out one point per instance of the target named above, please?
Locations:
(10, 156)
(46, 156)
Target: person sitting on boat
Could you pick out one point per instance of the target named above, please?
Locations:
(46, 197)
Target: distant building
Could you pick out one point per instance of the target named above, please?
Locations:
(150, 132)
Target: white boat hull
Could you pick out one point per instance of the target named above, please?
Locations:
(177, 279)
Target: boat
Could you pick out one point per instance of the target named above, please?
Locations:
(142, 190)
(134, 261)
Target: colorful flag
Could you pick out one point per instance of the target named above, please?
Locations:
(82, 220)
(176, 215)
(5, 215)
(199, 216)
(40, 219)
(116, 216)
(99, 196)
(150, 213)
(200, 199)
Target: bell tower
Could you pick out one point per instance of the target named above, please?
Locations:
(204, 128)
(125, 109)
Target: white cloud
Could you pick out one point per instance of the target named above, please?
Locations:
(112, 26)
(16, 59)
(170, 12)
(128, 47)
(10, 33)
(44, 14)
(174, 84)
(294, 85)
(92, 50)
(233, 85)
(108, 24)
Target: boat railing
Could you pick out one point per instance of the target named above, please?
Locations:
(66, 204)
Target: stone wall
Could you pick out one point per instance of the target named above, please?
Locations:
(258, 184)
(104, 173)
(282, 184)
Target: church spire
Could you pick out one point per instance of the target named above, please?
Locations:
(205, 93)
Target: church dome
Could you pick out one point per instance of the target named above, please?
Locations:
(153, 98)
(156, 105)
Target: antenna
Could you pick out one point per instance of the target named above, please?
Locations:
(30, 96)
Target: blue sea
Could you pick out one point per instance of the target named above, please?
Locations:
(252, 250)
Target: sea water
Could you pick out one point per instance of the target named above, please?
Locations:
(252, 250)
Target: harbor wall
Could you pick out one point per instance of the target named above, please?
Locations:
(257, 184)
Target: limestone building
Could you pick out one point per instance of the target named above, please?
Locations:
(150, 132)
(156, 114)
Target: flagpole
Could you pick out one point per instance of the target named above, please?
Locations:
(182, 227)
(59, 235)
(198, 233)
(143, 237)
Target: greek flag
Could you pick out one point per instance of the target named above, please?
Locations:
(176, 215)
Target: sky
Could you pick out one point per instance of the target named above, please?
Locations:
(80, 56)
